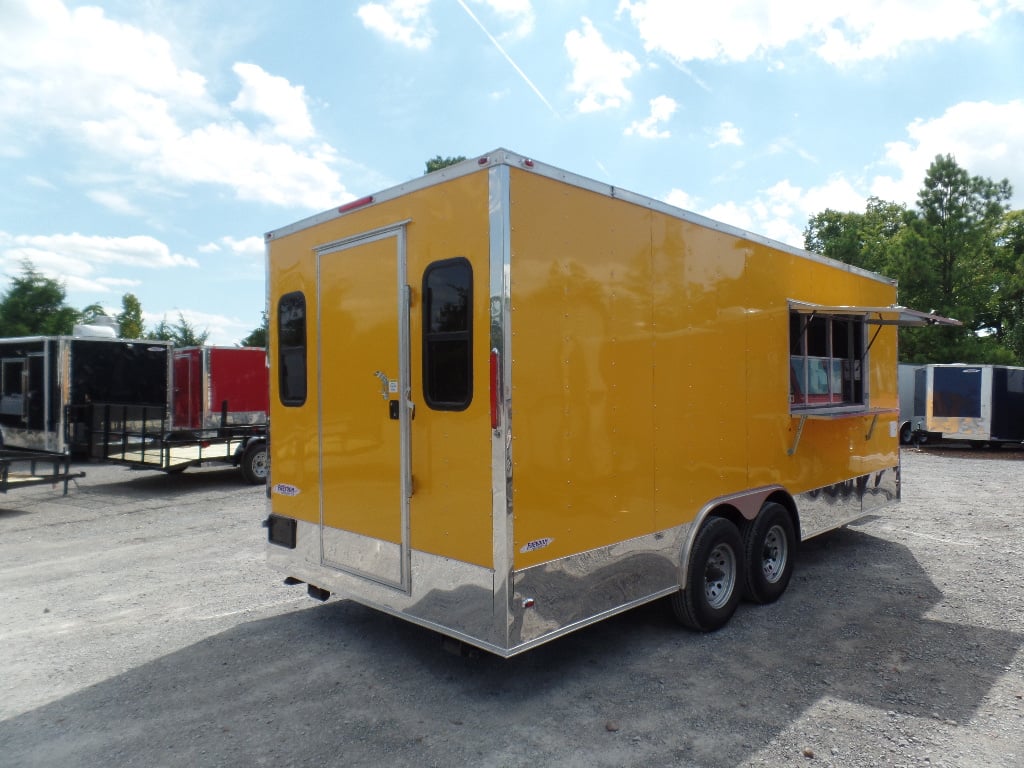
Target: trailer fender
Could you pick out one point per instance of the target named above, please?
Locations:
(738, 546)
(740, 508)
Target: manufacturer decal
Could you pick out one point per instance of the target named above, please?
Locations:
(284, 489)
(534, 545)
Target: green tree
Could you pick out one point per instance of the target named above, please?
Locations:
(1007, 300)
(257, 336)
(181, 334)
(161, 331)
(129, 320)
(953, 242)
(438, 162)
(953, 254)
(862, 239)
(836, 235)
(35, 305)
(89, 314)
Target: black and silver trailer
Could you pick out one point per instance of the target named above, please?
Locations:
(977, 403)
(53, 387)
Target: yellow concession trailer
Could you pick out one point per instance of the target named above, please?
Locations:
(508, 401)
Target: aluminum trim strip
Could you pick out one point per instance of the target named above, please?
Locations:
(405, 405)
(499, 203)
(369, 236)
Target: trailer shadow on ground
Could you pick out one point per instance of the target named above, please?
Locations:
(343, 684)
(125, 481)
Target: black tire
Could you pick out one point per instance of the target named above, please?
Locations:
(906, 433)
(255, 464)
(769, 553)
(714, 578)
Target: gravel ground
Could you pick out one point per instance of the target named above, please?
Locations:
(139, 626)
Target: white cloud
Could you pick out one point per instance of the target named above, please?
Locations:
(226, 153)
(115, 202)
(78, 260)
(599, 73)
(839, 32)
(249, 247)
(400, 21)
(726, 134)
(681, 199)
(81, 262)
(275, 98)
(518, 13)
(738, 215)
(118, 283)
(986, 139)
(780, 212)
(662, 109)
(64, 71)
(53, 57)
(40, 182)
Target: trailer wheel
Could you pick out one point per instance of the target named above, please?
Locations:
(769, 549)
(255, 464)
(713, 578)
(906, 433)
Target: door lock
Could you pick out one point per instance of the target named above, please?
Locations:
(395, 414)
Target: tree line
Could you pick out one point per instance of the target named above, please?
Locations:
(36, 305)
(958, 252)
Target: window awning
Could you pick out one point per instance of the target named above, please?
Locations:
(891, 315)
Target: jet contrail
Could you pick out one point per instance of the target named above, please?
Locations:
(508, 58)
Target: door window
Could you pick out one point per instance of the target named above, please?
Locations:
(448, 335)
(291, 345)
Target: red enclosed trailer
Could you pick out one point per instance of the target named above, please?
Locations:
(215, 387)
(216, 412)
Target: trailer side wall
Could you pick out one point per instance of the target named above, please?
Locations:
(651, 371)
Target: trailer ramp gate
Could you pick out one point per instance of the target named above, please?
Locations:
(140, 436)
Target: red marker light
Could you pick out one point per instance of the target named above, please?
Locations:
(482, 161)
(356, 204)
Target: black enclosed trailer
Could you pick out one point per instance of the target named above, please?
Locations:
(976, 403)
(53, 387)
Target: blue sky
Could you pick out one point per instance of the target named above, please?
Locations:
(147, 145)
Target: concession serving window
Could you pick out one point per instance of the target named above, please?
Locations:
(828, 357)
